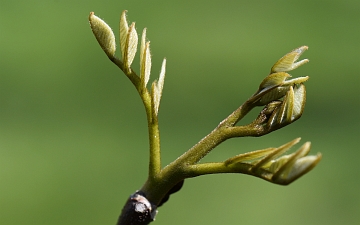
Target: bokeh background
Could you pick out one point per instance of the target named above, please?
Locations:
(73, 136)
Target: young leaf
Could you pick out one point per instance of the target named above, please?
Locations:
(299, 101)
(249, 156)
(274, 79)
(158, 87)
(288, 62)
(287, 106)
(103, 34)
(124, 30)
(131, 46)
(145, 62)
(275, 153)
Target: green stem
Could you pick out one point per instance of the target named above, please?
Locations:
(217, 136)
(132, 75)
(153, 127)
(251, 130)
(154, 141)
(159, 184)
(238, 114)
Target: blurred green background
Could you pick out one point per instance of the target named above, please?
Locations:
(73, 135)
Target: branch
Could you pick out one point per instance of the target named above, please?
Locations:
(283, 101)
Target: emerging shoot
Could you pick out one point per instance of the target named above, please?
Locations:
(282, 98)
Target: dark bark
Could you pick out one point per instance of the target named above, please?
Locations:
(137, 211)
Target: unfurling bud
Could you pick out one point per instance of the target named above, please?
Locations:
(294, 165)
(278, 92)
(280, 113)
(268, 164)
(288, 62)
(275, 85)
(103, 34)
